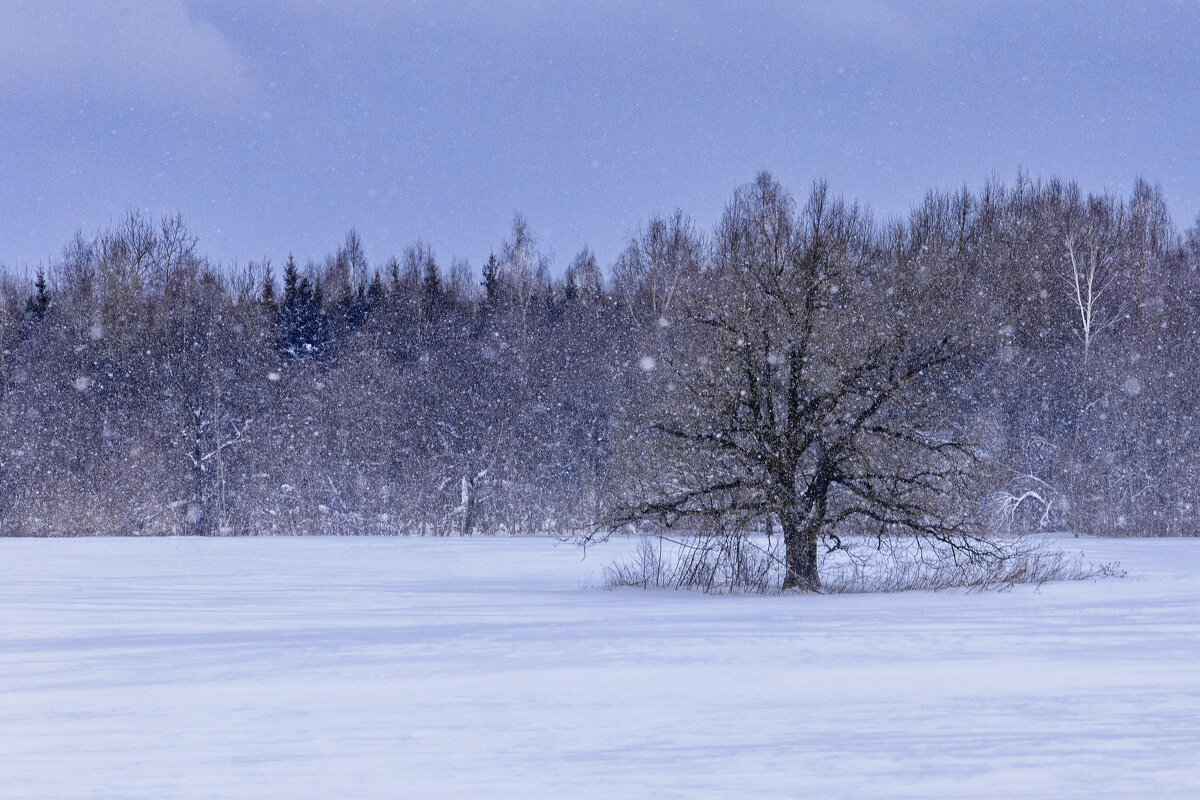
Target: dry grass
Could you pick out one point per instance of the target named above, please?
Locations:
(753, 565)
(902, 567)
(706, 563)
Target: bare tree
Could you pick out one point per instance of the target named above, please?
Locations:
(523, 267)
(786, 400)
(1089, 277)
(583, 280)
(660, 262)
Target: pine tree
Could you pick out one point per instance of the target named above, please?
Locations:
(375, 292)
(571, 286)
(291, 282)
(432, 283)
(491, 278)
(302, 322)
(39, 303)
(267, 295)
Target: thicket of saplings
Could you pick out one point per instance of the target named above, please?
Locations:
(1020, 357)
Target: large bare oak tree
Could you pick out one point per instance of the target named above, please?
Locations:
(791, 394)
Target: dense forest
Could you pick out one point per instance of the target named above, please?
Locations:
(147, 391)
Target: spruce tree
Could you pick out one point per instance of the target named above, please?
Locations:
(491, 278)
(39, 303)
(267, 295)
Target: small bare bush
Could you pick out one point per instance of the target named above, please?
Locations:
(900, 566)
(741, 563)
(709, 563)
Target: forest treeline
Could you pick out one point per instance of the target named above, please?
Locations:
(145, 390)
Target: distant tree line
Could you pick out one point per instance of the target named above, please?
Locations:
(1055, 335)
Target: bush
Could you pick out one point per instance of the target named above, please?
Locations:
(750, 564)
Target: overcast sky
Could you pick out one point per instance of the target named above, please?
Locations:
(275, 126)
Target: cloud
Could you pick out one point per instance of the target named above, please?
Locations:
(149, 52)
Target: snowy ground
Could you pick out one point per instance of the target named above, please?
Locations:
(383, 668)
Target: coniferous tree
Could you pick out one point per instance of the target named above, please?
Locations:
(267, 292)
(375, 292)
(302, 323)
(491, 278)
(39, 303)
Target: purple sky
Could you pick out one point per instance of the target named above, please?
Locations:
(276, 129)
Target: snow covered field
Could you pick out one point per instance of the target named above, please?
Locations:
(383, 668)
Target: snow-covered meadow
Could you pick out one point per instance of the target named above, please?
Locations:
(411, 667)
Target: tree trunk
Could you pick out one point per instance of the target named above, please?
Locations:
(196, 516)
(199, 516)
(800, 554)
(468, 506)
